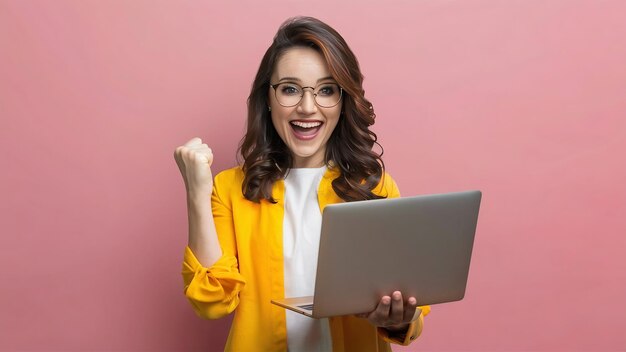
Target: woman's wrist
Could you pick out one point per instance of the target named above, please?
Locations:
(200, 195)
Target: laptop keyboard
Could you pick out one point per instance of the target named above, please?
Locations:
(307, 306)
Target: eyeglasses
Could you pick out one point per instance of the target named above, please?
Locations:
(326, 95)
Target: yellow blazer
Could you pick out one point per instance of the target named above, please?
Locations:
(250, 272)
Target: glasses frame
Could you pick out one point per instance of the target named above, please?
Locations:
(301, 96)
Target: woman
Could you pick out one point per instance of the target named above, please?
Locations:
(307, 144)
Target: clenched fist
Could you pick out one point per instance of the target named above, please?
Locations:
(194, 160)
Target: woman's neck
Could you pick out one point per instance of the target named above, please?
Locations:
(312, 162)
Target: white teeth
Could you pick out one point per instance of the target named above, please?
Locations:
(306, 124)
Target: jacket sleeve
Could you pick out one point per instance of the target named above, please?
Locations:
(389, 188)
(214, 291)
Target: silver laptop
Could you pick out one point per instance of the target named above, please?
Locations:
(419, 245)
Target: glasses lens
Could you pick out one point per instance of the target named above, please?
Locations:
(328, 95)
(288, 94)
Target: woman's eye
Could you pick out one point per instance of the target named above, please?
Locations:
(327, 90)
(290, 90)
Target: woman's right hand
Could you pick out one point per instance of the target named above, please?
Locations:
(194, 160)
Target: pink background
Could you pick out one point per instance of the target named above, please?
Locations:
(524, 100)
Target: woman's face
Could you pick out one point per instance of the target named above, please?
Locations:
(306, 127)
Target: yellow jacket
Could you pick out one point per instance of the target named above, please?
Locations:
(250, 272)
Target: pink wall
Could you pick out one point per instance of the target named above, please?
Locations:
(525, 100)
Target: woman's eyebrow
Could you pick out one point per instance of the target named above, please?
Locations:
(299, 80)
(290, 79)
(326, 79)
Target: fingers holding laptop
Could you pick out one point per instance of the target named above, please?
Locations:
(393, 313)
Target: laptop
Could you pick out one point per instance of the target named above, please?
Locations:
(419, 245)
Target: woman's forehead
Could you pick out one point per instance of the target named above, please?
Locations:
(302, 65)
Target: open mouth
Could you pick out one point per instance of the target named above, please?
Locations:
(306, 130)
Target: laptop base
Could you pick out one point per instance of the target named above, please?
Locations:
(300, 305)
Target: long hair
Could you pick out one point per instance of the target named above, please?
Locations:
(267, 158)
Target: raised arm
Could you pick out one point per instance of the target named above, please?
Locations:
(210, 274)
(194, 160)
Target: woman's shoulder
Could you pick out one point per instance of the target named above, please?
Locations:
(235, 171)
(387, 187)
(229, 179)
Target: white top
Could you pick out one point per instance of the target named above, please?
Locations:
(302, 224)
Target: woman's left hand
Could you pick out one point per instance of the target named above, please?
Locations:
(393, 313)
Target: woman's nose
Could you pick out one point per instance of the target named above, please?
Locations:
(307, 104)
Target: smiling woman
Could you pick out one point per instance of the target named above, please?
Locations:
(307, 144)
(301, 122)
(308, 47)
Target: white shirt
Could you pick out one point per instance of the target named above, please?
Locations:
(301, 234)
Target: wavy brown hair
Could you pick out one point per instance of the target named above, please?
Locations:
(267, 158)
